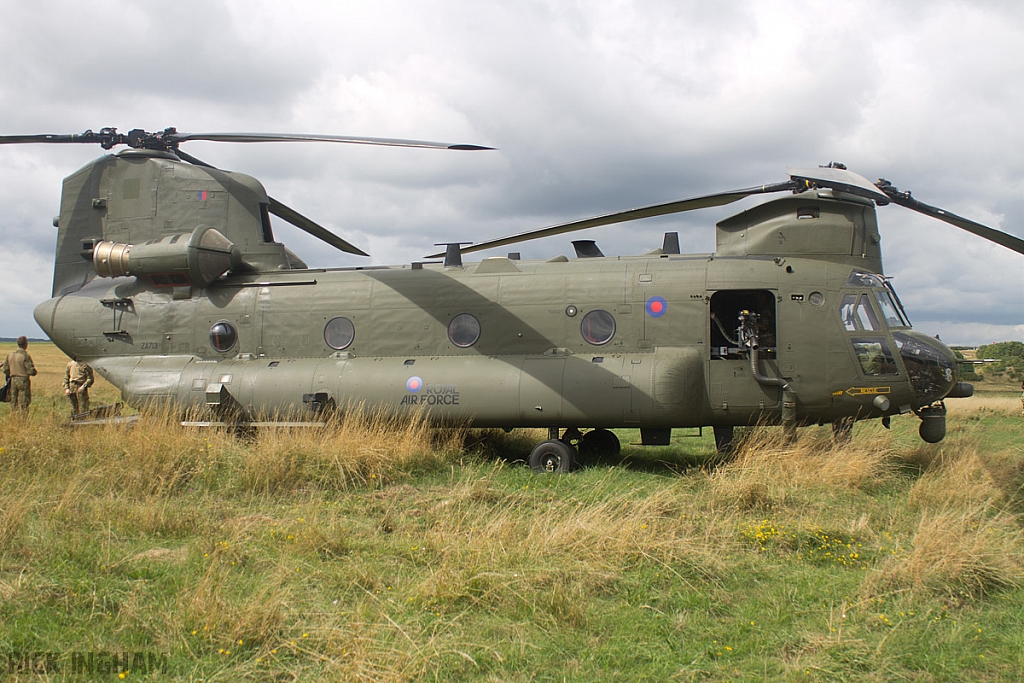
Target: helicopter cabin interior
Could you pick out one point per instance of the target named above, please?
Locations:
(726, 308)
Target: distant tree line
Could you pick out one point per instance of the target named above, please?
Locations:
(1009, 357)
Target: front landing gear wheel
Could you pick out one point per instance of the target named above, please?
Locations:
(724, 444)
(552, 457)
(599, 443)
(842, 430)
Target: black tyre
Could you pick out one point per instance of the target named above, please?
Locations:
(552, 457)
(599, 443)
(842, 430)
(724, 440)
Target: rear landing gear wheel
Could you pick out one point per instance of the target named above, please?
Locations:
(552, 456)
(572, 436)
(599, 443)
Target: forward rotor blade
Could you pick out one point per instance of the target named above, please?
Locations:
(704, 202)
(991, 234)
(883, 192)
(305, 224)
(288, 137)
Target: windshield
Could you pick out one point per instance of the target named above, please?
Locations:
(890, 311)
(888, 303)
(899, 304)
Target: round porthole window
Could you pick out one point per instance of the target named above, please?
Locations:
(598, 327)
(339, 333)
(223, 335)
(464, 330)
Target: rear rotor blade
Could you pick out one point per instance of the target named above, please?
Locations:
(169, 139)
(289, 214)
(27, 139)
(704, 202)
(305, 224)
(88, 137)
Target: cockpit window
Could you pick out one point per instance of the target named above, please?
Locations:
(859, 278)
(846, 312)
(874, 356)
(899, 304)
(857, 314)
(866, 315)
(889, 310)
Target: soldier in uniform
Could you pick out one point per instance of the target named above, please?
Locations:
(18, 367)
(77, 380)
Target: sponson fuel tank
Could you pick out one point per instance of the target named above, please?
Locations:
(541, 391)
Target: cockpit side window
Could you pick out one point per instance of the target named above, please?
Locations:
(846, 312)
(866, 315)
(874, 356)
(857, 314)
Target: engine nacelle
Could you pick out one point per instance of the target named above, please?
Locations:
(186, 259)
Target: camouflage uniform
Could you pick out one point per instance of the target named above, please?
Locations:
(19, 367)
(77, 380)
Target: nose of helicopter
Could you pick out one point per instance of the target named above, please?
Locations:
(931, 366)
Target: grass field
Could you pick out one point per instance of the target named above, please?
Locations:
(370, 551)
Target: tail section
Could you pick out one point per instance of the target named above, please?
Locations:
(139, 197)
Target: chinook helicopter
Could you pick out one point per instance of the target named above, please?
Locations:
(168, 280)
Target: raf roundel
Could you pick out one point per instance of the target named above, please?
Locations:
(414, 384)
(656, 306)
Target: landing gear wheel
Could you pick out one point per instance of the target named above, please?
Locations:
(572, 436)
(599, 443)
(552, 457)
(724, 440)
(842, 430)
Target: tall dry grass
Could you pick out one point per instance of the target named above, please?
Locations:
(768, 469)
(324, 555)
(984, 403)
(951, 531)
(157, 455)
(962, 553)
(500, 549)
(966, 542)
(957, 478)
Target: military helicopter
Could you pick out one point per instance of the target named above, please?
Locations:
(168, 280)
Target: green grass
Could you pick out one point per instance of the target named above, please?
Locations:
(383, 552)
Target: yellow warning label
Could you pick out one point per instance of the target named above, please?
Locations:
(868, 391)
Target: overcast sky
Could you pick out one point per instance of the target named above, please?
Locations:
(595, 107)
